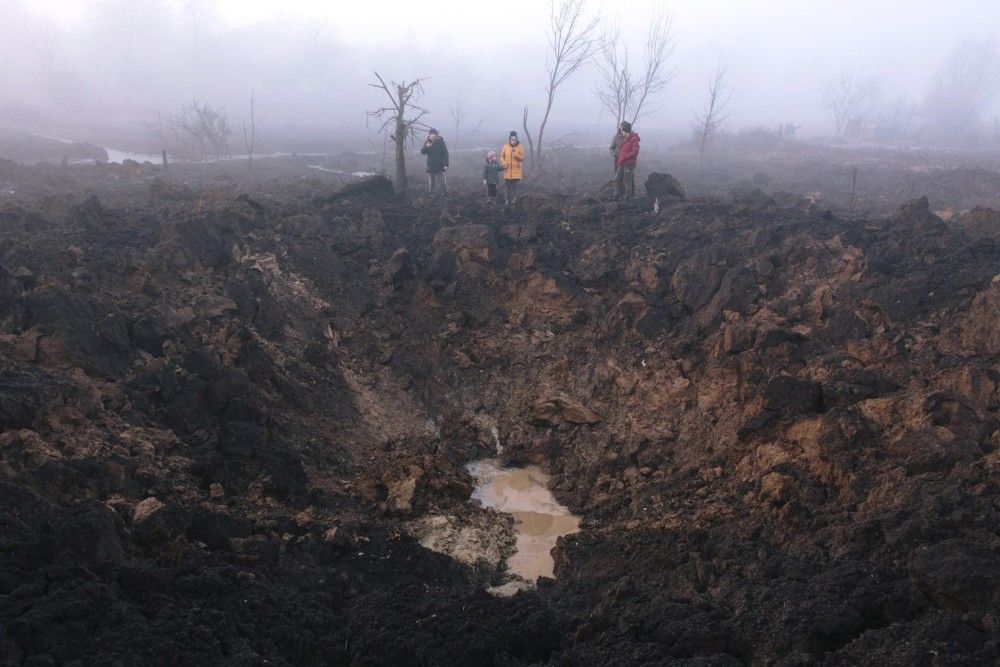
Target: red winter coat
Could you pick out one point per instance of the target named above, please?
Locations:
(629, 153)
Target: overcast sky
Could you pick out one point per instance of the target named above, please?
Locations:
(779, 53)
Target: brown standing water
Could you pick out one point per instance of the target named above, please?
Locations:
(541, 520)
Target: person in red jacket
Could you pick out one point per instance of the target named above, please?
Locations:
(628, 155)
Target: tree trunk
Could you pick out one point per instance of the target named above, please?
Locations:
(400, 140)
(527, 135)
(541, 128)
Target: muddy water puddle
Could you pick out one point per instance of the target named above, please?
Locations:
(540, 519)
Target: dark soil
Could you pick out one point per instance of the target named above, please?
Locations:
(222, 401)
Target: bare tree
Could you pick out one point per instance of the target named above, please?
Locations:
(656, 70)
(572, 43)
(398, 115)
(625, 93)
(846, 95)
(965, 88)
(458, 112)
(204, 127)
(250, 139)
(710, 120)
(615, 89)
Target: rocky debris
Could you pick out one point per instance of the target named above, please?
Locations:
(146, 509)
(599, 262)
(696, 279)
(165, 191)
(229, 422)
(90, 215)
(374, 189)
(521, 232)
(553, 410)
(776, 488)
(481, 538)
(980, 222)
(129, 170)
(469, 242)
(401, 494)
(793, 395)
(25, 395)
(843, 326)
(980, 332)
(10, 288)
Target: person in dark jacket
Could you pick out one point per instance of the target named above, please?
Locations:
(616, 147)
(628, 156)
(491, 175)
(437, 162)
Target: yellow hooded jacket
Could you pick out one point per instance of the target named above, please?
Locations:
(511, 158)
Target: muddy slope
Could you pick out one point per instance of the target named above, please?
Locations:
(220, 413)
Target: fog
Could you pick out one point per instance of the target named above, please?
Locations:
(112, 71)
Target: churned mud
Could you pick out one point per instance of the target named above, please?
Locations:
(236, 415)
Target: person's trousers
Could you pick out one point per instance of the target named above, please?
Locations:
(439, 179)
(512, 188)
(491, 190)
(625, 182)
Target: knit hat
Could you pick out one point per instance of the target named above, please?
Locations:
(513, 134)
(433, 131)
(626, 126)
(491, 155)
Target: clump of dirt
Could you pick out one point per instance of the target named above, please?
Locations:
(660, 186)
(229, 419)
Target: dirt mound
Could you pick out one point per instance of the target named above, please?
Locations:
(373, 188)
(662, 186)
(981, 222)
(225, 416)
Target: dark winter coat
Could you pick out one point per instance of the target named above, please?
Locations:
(491, 172)
(629, 153)
(437, 156)
(616, 145)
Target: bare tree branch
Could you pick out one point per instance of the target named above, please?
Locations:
(572, 42)
(527, 132)
(250, 139)
(624, 93)
(657, 71)
(402, 115)
(207, 129)
(710, 120)
(846, 94)
(964, 89)
(458, 111)
(615, 89)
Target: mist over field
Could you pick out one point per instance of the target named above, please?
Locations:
(112, 69)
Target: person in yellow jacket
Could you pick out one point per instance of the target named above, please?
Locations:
(511, 158)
